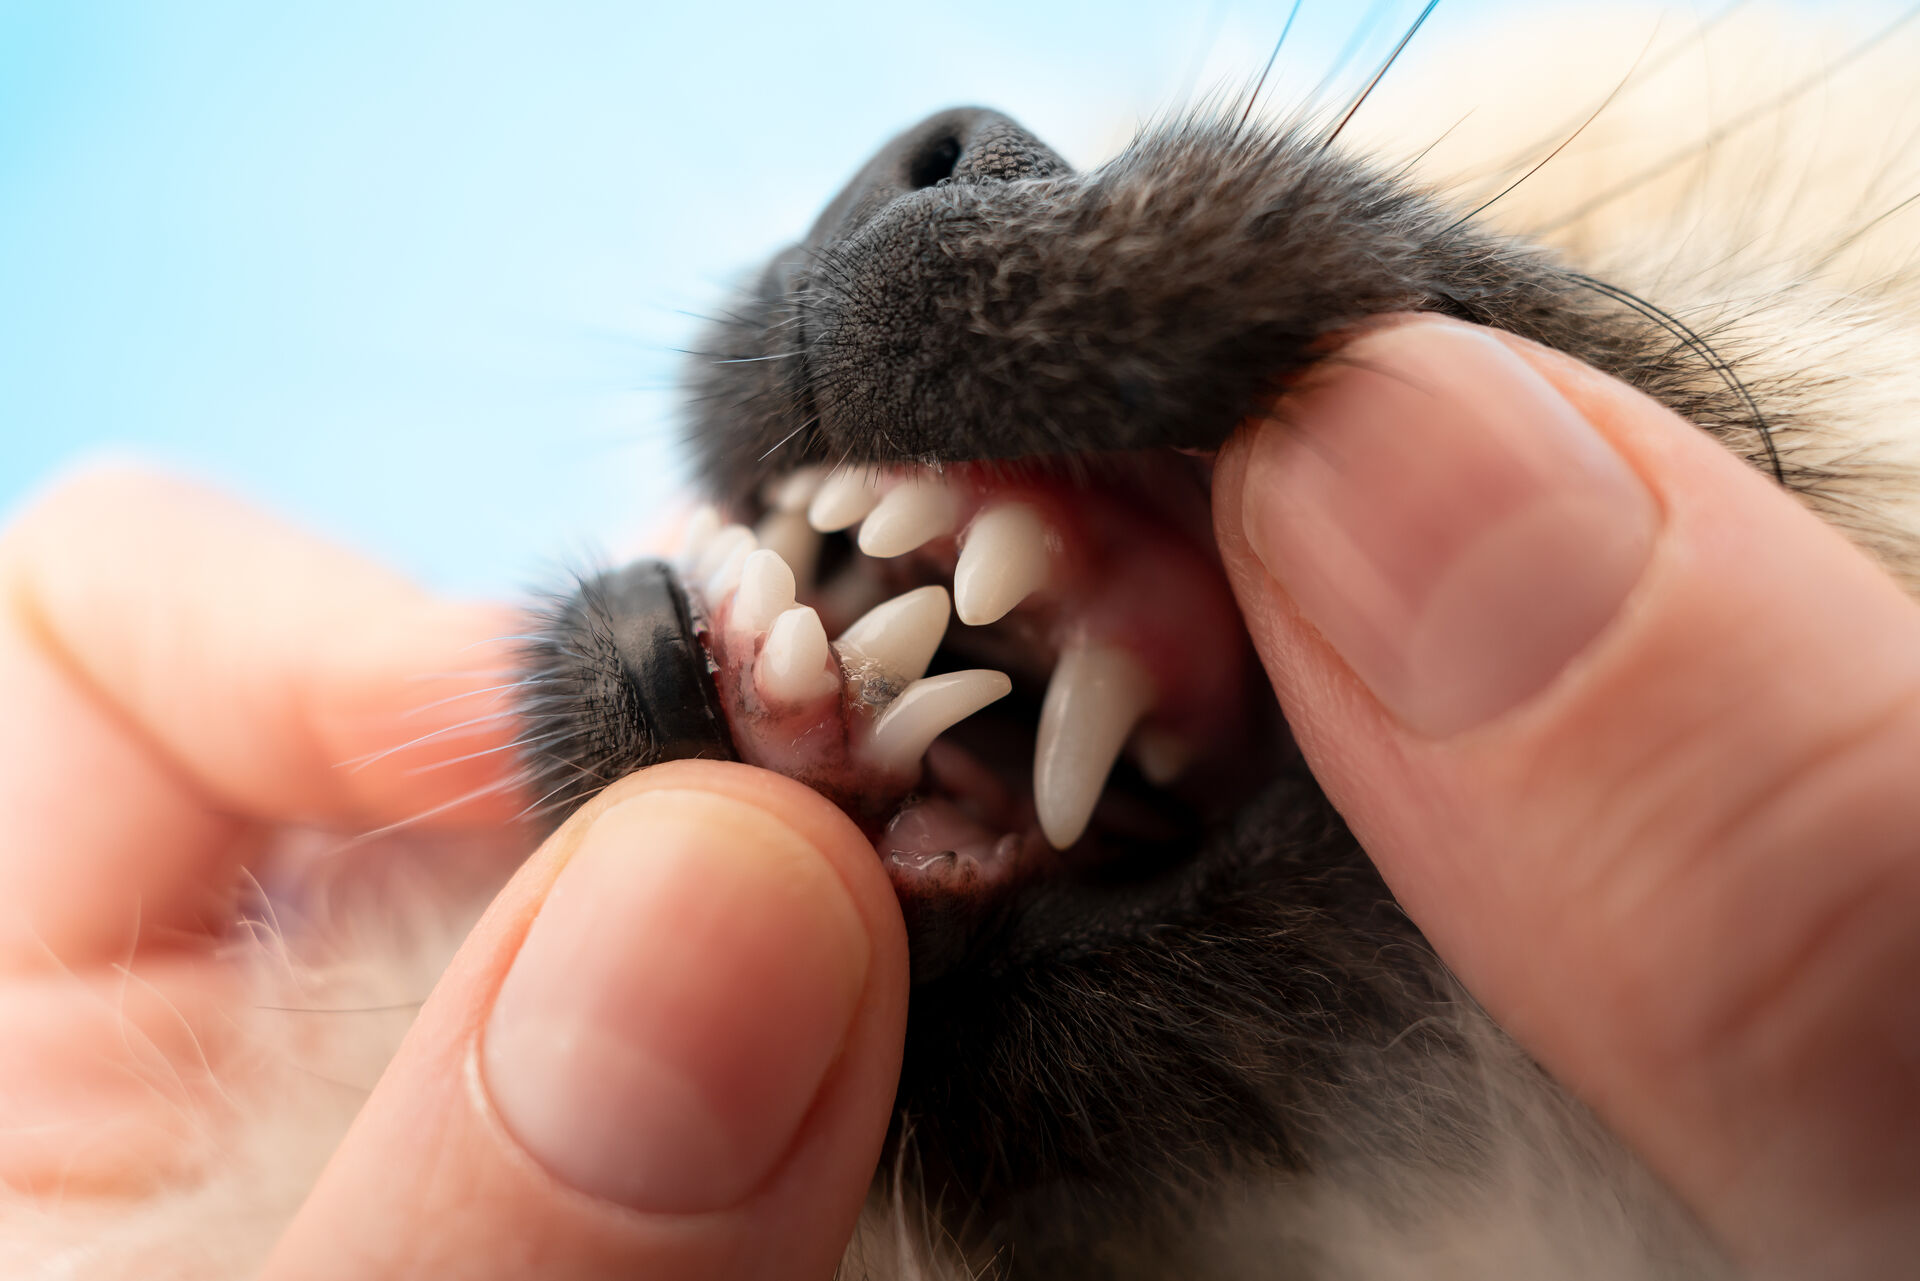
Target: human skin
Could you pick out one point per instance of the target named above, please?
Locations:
(1629, 732)
(1631, 735)
(165, 724)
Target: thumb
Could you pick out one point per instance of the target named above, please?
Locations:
(668, 1050)
(1632, 737)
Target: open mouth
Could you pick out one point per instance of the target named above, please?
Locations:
(1003, 672)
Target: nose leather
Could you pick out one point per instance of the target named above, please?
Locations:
(962, 145)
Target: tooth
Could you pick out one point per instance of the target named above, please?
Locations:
(795, 664)
(926, 709)
(1162, 757)
(843, 498)
(789, 534)
(766, 592)
(791, 493)
(698, 532)
(1003, 560)
(1096, 695)
(716, 550)
(721, 582)
(896, 639)
(908, 516)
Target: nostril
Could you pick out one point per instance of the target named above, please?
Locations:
(933, 162)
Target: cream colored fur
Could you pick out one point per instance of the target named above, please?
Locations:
(1763, 237)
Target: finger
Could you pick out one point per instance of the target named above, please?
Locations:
(1631, 734)
(669, 1050)
(107, 1078)
(175, 666)
(263, 662)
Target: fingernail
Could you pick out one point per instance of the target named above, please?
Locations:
(676, 1004)
(1446, 520)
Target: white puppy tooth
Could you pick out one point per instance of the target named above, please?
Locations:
(842, 499)
(718, 548)
(721, 582)
(895, 640)
(1096, 696)
(698, 532)
(797, 542)
(925, 710)
(792, 492)
(910, 515)
(1161, 756)
(796, 663)
(766, 592)
(1003, 560)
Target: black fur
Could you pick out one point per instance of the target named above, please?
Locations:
(1102, 1048)
(1018, 309)
(1094, 1067)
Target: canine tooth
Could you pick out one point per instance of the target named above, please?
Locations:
(908, 516)
(896, 638)
(842, 499)
(698, 532)
(1002, 561)
(792, 492)
(722, 545)
(1162, 757)
(1097, 694)
(795, 664)
(789, 534)
(766, 592)
(925, 710)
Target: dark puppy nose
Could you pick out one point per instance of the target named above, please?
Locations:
(971, 144)
(966, 144)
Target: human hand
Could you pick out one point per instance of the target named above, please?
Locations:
(669, 1047)
(1632, 735)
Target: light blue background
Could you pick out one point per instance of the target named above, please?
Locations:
(415, 273)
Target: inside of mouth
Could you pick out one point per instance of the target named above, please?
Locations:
(1000, 672)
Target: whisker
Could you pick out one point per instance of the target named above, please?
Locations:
(1267, 70)
(541, 741)
(467, 693)
(1701, 348)
(478, 673)
(1385, 67)
(775, 447)
(553, 800)
(749, 360)
(400, 825)
(359, 763)
(1646, 75)
(1607, 102)
(1407, 166)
